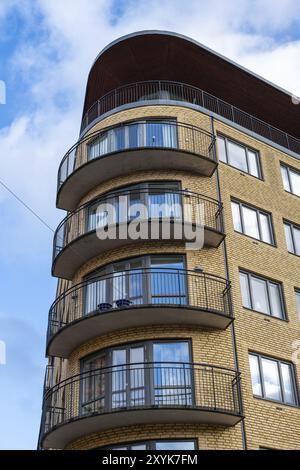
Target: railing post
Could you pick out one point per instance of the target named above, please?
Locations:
(214, 388)
(205, 290)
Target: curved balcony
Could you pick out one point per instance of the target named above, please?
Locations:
(104, 224)
(134, 298)
(168, 91)
(139, 393)
(123, 149)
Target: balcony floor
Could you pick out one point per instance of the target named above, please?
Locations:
(101, 169)
(60, 436)
(87, 246)
(98, 324)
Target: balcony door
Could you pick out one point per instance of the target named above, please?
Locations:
(160, 200)
(146, 280)
(172, 382)
(128, 377)
(139, 134)
(155, 374)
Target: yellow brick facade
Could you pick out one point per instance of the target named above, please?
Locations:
(266, 424)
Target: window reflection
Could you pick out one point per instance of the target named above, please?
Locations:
(272, 379)
(158, 445)
(159, 280)
(134, 135)
(127, 381)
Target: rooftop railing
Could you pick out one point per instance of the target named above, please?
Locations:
(174, 91)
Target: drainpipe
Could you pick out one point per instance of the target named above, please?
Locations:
(232, 327)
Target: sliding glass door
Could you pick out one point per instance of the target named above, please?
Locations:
(172, 382)
(154, 374)
(139, 134)
(146, 280)
(160, 200)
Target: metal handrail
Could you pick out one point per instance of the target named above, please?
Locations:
(176, 91)
(155, 385)
(182, 136)
(80, 222)
(181, 288)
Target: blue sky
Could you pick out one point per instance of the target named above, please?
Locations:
(46, 50)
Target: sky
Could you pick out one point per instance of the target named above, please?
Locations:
(46, 50)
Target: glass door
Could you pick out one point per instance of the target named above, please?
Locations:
(93, 385)
(96, 295)
(168, 284)
(172, 374)
(161, 134)
(128, 377)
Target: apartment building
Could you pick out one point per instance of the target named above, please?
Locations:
(154, 343)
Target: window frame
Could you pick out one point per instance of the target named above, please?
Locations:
(251, 275)
(247, 149)
(143, 186)
(148, 348)
(142, 135)
(258, 211)
(292, 226)
(150, 444)
(289, 169)
(278, 365)
(147, 344)
(297, 293)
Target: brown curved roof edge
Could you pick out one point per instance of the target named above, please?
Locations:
(163, 55)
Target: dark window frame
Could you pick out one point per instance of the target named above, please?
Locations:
(261, 376)
(258, 211)
(89, 206)
(129, 344)
(292, 226)
(140, 120)
(145, 257)
(150, 444)
(289, 169)
(268, 281)
(247, 148)
(297, 293)
(148, 378)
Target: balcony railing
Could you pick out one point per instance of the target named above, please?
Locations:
(160, 204)
(48, 379)
(138, 288)
(142, 386)
(137, 135)
(174, 91)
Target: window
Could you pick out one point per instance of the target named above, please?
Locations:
(171, 444)
(161, 200)
(252, 222)
(273, 379)
(117, 378)
(262, 295)
(292, 235)
(291, 179)
(239, 156)
(297, 293)
(150, 133)
(145, 280)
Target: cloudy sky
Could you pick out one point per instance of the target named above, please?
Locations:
(46, 50)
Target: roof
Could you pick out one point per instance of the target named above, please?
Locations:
(162, 55)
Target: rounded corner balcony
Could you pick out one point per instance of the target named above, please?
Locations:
(139, 145)
(136, 298)
(139, 393)
(163, 212)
